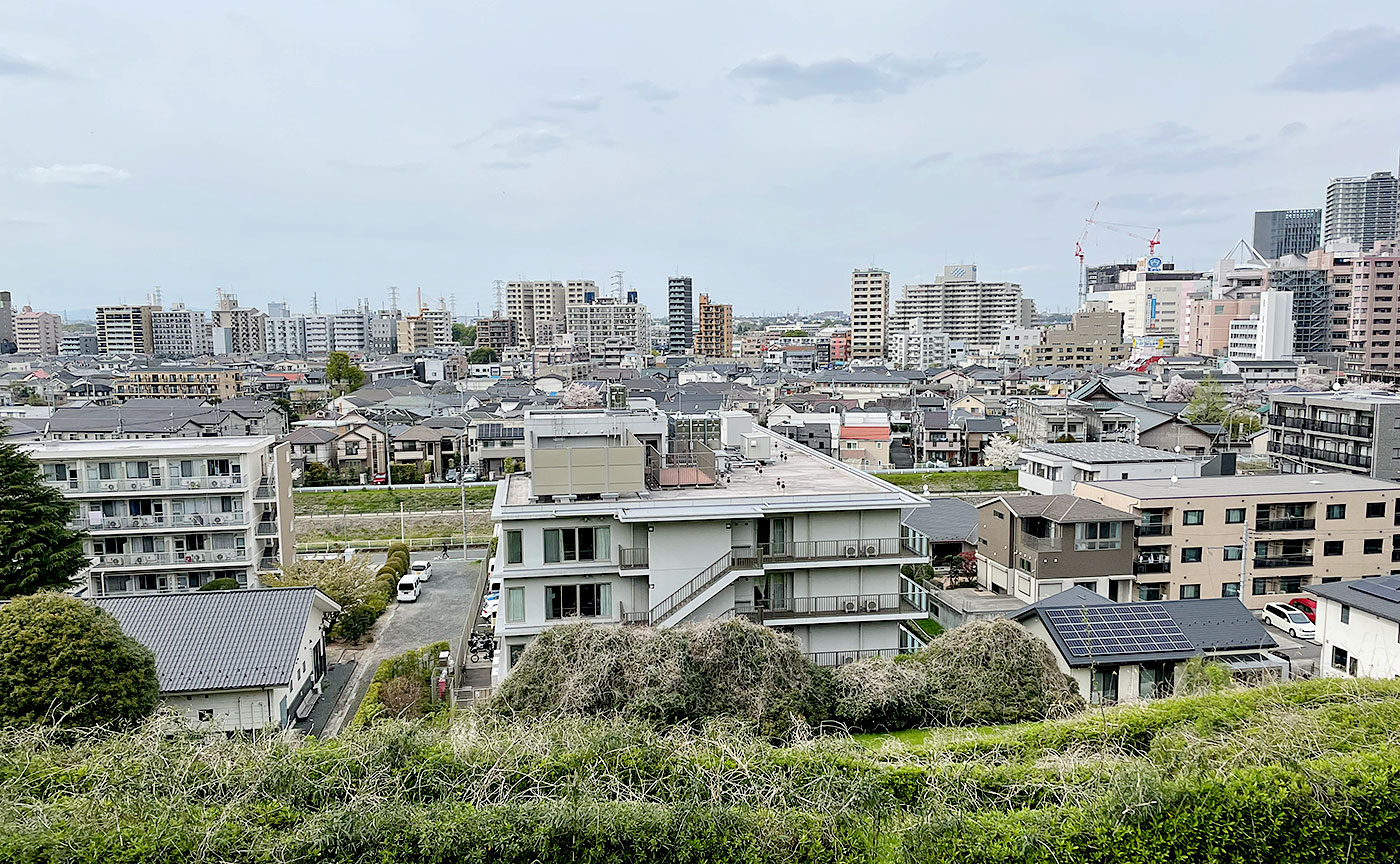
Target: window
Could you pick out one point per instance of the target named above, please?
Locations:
(1097, 535)
(586, 601)
(515, 548)
(1346, 614)
(575, 544)
(206, 715)
(1233, 553)
(999, 514)
(1331, 547)
(1193, 517)
(1230, 589)
(1371, 545)
(1233, 515)
(1103, 686)
(1191, 555)
(1375, 509)
(515, 604)
(1190, 592)
(1024, 564)
(1339, 657)
(1336, 511)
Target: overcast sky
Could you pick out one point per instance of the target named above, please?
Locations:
(764, 148)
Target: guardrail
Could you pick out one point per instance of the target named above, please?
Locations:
(631, 557)
(1284, 561)
(413, 543)
(1037, 544)
(841, 658)
(232, 519)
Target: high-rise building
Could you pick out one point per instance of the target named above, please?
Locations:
(237, 329)
(1311, 309)
(125, 329)
(430, 328)
(498, 334)
(384, 332)
(680, 315)
(538, 310)
(38, 332)
(716, 334)
(1287, 232)
(1362, 210)
(601, 325)
(1094, 337)
(1374, 288)
(285, 335)
(1336, 262)
(1152, 297)
(969, 311)
(179, 332)
(350, 330)
(318, 334)
(870, 309)
(78, 344)
(7, 324)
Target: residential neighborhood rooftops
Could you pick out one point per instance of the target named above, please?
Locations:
(945, 520)
(1246, 484)
(1380, 597)
(1097, 452)
(1060, 508)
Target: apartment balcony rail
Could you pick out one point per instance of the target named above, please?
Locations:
(231, 519)
(1152, 566)
(1285, 524)
(1154, 529)
(632, 557)
(1032, 543)
(1302, 451)
(1332, 427)
(841, 658)
(834, 604)
(1283, 561)
(832, 550)
(269, 563)
(265, 492)
(131, 559)
(266, 529)
(144, 559)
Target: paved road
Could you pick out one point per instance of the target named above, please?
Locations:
(438, 614)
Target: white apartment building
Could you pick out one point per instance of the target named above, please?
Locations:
(318, 334)
(1054, 469)
(350, 330)
(1267, 335)
(285, 335)
(915, 346)
(1152, 297)
(606, 326)
(180, 332)
(616, 522)
(38, 332)
(539, 308)
(969, 311)
(1358, 624)
(173, 514)
(236, 329)
(870, 309)
(124, 329)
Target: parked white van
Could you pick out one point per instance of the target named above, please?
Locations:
(408, 588)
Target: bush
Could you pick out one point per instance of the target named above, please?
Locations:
(402, 686)
(363, 595)
(1200, 676)
(220, 585)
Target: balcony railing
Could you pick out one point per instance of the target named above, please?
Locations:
(834, 604)
(268, 564)
(1302, 451)
(1154, 529)
(841, 658)
(1288, 523)
(1033, 543)
(1331, 427)
(231, 519)
(1152, 566)
(131, 559)
(1283, 561)
(265, 492)
(632, 557)
(831, 550)
(266, 529)
(143, 559)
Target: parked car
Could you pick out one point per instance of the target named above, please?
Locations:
(1307, 606)
(471, 477)
(489, 604)
(379, 479)
(1289, 619)
(422, 569)
(408, 588)
(450, 476)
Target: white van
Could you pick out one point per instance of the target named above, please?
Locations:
(422, 569)
(408, 588)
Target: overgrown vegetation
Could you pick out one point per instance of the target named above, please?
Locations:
(955, 481)
(362, 591)
(402, 687)
(41, 551)
(390, 527)
(1302, 772)
(388, 500)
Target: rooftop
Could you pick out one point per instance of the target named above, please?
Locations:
(1105, 452)
(1246, 484)
(1380, 597)
(944, 520)
(140, 447)
(1060, 508)
(1352, 396)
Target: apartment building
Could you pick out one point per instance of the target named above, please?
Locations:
(1287, 232)
(1056, 419)
(1151, 295)
(38, 332)
(78, 345)
(1035, 546)
(680, 315)
(1358, 624)
(715, 335)
(914, 345)
(430, 328)
(125, 329)
(1267, 334)
(616, 521)
(1374, 345)
(969, 311)
(7, 323)
(1362, 210)
(1093, 338)
(180, 381)
(237, 329)
(499, 334)
(600, 325)
(285, 335)
(1053, 469)
(178, 332)
(1335, 262)
(538, 310)
(870, 309)
(173, 514)
(319, 341)
(1274, 533)
(1349, 431)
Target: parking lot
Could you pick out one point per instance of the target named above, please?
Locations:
(1304, 656)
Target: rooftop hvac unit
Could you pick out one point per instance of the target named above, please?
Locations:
(851, 606)
(850, 550)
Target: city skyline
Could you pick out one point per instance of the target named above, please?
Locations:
(278, 152)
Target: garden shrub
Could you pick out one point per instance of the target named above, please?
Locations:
(219, 585)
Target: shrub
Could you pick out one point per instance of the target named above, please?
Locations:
(356, 623)
(1199, 676)
(219, 585)
(363, 595)
(402, 686)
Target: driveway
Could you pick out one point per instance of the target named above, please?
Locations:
(1304, 656)
(438, 615)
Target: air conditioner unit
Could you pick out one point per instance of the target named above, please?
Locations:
(134, 486)
(852, 606)
(850, 550)
(111, 486)
(113, 523)
(845, 657)
(138, 561)
(218, 520)
(196, 519)
(872, 605)
(219, 557)
(872, 549)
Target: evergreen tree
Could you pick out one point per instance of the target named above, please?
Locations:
(1207, 403)
(42, 551)
(339, 370)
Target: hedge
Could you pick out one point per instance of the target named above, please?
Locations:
(418, 662)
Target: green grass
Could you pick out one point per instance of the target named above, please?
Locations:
(931, 628)
(311, 503)
(388, 528)
(955, 481)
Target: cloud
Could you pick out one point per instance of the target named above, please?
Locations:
(933, 159)
(777, 78)
(1366, 58)
(1162, 149)
(1292, 130)
(582, 104)
(532, 143)
(505, 165)
(88, 174)
(22, 67)
(650, 91)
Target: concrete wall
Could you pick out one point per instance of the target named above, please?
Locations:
(1368, 638)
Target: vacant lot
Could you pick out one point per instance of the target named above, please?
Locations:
(309, 503)
(955, 481)
(386, 527)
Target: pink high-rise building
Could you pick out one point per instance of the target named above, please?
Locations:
(1374, 291)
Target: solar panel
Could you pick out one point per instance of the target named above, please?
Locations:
(1144, 628)
(1386, 589)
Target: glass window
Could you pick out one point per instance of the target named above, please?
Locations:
(575, 544)
(1233, 553)
(590, 600)
(1339, 658)
(1103, 687)
(1260, 586)
(1190, 592)
(1234, 515)
(515, 604)
(1375, 509)
(1332, 547)
(1193, 517)
(1191, 554)
(1336, 511)
(515, 548)
(1230, 589)
(1372, 545)
(1346, 614)
(1097, 535)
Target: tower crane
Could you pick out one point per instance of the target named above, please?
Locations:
(1119, 227)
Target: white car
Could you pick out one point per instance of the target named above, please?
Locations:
(408, 589)
(1290, 620)
(422, 569)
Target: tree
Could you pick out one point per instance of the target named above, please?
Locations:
(1000, 452)
(797, 334)
(1207, 403)
(339, 370)
(219, 585)
(484, 355)
(463, 335)
(285, 405)
(42, 551)
(510, 465)
(1179, 390)
(580, 396)
(68, 662)
(316, 474)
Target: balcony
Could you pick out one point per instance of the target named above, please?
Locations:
(1302, 451)
(1154, 529)
(231, 519)
(841, 658)
(265, 492)
(130, 559)
(1285, 524)
(834, 550)
(1330, 427)
(1304, 560)
(633, 557)
(1032, 543)
(1155, 564)
(266, 529)
(267, 564)
(836, 604)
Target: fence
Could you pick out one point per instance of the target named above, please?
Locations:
(414, 544)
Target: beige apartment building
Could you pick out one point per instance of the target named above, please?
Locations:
(1374, 331)
(180, 381)
(38, 332)
(125, 329)
(1202, 537)
(1094, 337)
(1337, 263)
(870, 309)
(968, 310)
(715, 337)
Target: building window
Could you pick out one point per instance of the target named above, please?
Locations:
(1336, 511)
(1375, 509)
(1190, 592)
(1372, 545)
(1103, 686)
(515, 548)
(1346, 614)
(1024, 564)
(1097, 535)
(515, 604)
(1233, 515)
(1339, 657)
(1331, 547)
(1233, 553)
(575, 544)
(1230, 589)
(206, 715)
(1193, 517)
(590, 600)
(1191, 555)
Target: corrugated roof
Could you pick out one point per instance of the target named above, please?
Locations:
(220, 640)
(1107, 451)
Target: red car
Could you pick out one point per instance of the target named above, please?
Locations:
(379, 480)
(1307, 606)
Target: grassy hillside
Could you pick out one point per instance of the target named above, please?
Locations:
(955, 481)
(1304, 772)
(309, 503)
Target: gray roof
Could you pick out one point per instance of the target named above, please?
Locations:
(1364, 594)
(1061, 508)
(945, 520)
(1249, 484)
(1107, 451)
(220, 640)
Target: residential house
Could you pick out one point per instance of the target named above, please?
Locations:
(1036, 546)
(1358, 624)
(1044, 420)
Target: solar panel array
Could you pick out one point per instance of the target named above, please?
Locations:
(1386, 589)
(1143, 628)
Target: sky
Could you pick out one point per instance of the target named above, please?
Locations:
(765, 149)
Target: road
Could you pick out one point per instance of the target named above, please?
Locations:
(437, 615)
(1305, 657)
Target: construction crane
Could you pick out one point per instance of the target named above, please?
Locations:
(1119, 227)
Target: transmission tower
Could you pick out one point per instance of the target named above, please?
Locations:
(394, 298)
(500, 288)
(617, 285)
